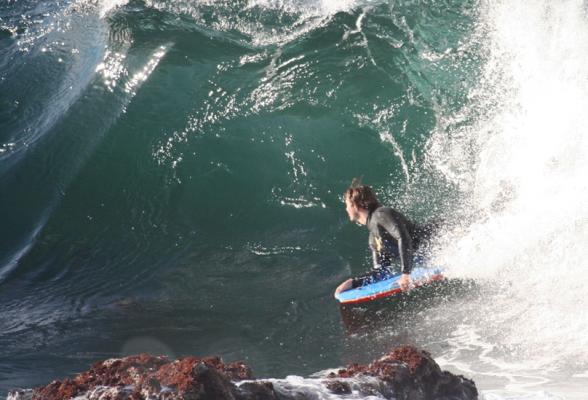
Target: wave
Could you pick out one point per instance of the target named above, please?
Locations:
(518, 154)
(473, 112)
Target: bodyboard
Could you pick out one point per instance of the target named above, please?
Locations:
(388, 287)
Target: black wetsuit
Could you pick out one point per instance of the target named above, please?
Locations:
(392, 237)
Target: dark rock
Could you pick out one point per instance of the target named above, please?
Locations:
(338, 387)
(146, 375)
(412, 374)
(214, 384)
(406, 373)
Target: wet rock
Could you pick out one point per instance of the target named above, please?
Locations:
(412, 374)
(215, 385)
(146, 377)
(338, 387)
(406, 373)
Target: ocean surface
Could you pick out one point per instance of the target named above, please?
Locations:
(171, 175)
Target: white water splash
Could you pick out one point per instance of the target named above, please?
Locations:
(106, 6)
(527, 190)
(322, 7)
(315, 387)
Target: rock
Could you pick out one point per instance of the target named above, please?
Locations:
(412, 374)
(406, 373)
(144, 377)
(338, 387)
(215, 385)
(60, 390)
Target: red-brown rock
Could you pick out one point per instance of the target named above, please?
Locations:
(142, 375)
(406, 373)
(413, 374)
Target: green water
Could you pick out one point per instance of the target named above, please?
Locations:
(171, 174)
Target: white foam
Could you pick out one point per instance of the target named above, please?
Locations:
(297, 386)
(322, 7)
(527, 189)
(106, 6)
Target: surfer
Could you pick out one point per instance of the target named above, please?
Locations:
(391, 236)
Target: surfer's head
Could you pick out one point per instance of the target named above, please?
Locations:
(360, 200)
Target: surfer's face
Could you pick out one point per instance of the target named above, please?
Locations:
(352, 210)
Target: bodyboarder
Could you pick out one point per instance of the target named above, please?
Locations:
(392, 237)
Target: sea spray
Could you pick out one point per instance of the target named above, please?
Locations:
(525, 194)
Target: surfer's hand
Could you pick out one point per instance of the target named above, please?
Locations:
(405, 282)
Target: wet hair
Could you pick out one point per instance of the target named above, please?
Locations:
(362, 196)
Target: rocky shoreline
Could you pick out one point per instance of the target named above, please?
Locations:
(406, 373)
